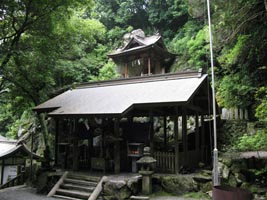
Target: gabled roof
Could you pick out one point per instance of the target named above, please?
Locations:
(141, 44)
(4, 139)
(117, 97)
(8, 149)
(142, 41)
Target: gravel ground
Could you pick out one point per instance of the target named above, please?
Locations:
(22, 193)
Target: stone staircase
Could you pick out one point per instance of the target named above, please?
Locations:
(75, 186)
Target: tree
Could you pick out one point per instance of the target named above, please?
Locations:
(30, 47)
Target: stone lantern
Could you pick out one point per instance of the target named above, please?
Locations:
(146, 171)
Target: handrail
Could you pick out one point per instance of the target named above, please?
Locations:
(18, 180)
(98, 189)
(60, 181)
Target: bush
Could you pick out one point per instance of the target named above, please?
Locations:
(254, 142)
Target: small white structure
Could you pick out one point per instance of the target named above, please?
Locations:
(12, 159)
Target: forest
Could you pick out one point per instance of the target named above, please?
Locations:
(48, 46)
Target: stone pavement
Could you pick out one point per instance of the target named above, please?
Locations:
(28, 193)
(22, 193)
(171, 198)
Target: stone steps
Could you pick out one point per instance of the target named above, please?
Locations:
(69, 186)
(65, 197)
(73, 193)
(75, 186)
(139, 198)
(80, 182)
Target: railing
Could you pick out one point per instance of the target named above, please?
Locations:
(18, 180)
(165, 162)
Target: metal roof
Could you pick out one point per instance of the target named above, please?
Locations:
(118, 96)
(12, 149)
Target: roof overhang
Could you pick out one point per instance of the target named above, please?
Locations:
(18, 150)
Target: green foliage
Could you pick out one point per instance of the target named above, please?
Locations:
(235, 90)
(235, 55)
(197, 195)
(191, 46)
(261, 109)
(107, 72)
(255, 142)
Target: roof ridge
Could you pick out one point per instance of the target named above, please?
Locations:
(140, 79)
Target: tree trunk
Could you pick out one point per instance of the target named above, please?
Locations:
(44, 129)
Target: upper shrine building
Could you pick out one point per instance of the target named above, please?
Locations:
(142, 56)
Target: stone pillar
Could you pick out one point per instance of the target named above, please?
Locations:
(146, 171)
(146, 182)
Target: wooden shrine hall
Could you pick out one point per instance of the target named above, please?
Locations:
(104, 125)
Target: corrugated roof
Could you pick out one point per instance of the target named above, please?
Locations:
(116, 97)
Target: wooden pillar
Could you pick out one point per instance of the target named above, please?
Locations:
(202, 139)
(176, 142)
(56, 141)
(75, 148)
(126, 71)
(151, 132)
(184, 136)
(149, 66)
(165, 131)
(197, 133)
(75, 154)
(90, 152)
(117, 152)
(2, 171)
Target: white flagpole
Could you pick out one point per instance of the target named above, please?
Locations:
(215, 150)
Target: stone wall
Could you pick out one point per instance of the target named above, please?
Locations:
(249, 173)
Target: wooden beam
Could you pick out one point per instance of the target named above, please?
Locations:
(117, 152)
(195, 108)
